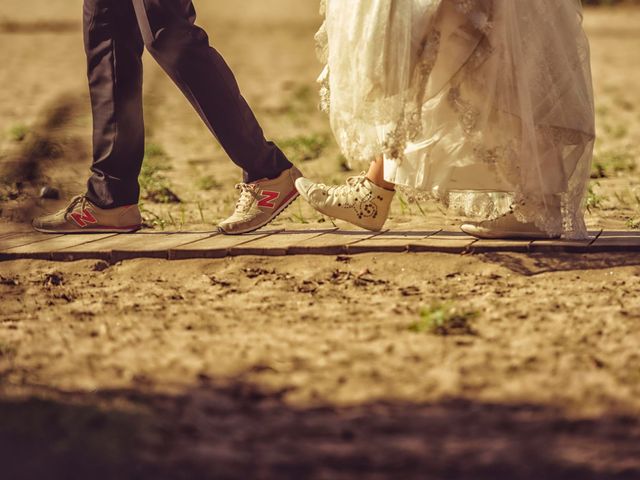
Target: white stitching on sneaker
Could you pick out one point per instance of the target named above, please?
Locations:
(350, 196)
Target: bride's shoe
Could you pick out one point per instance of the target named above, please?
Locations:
(360, 202)
(506, 226)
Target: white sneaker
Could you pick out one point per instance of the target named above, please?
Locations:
(360, 202)
(506, 226)
(261, 202)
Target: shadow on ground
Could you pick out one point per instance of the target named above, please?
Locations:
(539, 263)
(238, 431)
(48, 155)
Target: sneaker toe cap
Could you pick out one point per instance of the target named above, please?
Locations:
(236, 224)
(229, 225)
(303, 186)
(311, 192)
(47, 221)
(469, 228)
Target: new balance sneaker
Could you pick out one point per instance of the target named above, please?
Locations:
(261, 202)
(82, 216)
(506, 227)
(360, 202)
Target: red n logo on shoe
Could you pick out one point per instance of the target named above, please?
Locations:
(83, 218)
(268, 198)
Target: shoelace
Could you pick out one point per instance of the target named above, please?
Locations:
(79, 199)
(248, 194)
(343, 191)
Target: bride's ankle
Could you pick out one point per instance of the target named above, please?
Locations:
(382, 183)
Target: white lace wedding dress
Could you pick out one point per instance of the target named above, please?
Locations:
(485, 105)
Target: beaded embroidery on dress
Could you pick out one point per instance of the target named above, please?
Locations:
(485, 105)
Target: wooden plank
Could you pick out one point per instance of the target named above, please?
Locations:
(157, 247)
(513, 246)
(11, 235)
(306, 227)
(14, 233)
(216, 246)
(391, 241)
(178, 245)
(444, 242)
(333, 242)
(102, 249)
(563, 246)
(11, 228)
(127, 246)
(276, 244)
(616, 241)
(43, 249)
(20, 239)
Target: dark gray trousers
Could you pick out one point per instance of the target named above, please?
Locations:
(115, 34)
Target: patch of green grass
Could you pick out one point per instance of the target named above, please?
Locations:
(155, 151)
(299, 216)
(633, 223)
(303, 101)
(303, 94)
(618, 132)
(598, 170)
(18, 132)
(594, 199)
(153, 183)
(406, 205)
(172, 220)
(151, 219)
(444, 319)
(405, 208)
(201, 212)
(304, 148)
(602, 110)
(155, 186)
(613, 162)
(208, 182)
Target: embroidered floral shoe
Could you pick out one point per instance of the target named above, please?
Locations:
(360, 202)
(261, 202)
(82, 216)
(506, 226)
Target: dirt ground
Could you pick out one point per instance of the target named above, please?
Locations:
(302, 367)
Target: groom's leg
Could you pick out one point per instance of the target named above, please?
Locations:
(183, 50)
(114, 47)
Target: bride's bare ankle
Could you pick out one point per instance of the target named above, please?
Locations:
(381, 182)
(375, 174)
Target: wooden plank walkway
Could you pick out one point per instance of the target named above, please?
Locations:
(313, 241)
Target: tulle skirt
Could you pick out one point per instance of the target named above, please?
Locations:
(485, 105)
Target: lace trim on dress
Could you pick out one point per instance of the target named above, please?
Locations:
(534, 50)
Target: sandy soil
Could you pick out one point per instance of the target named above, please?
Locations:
(310, 364)
(302, 367)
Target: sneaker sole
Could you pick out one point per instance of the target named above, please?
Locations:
(324, 212)
(95, 230)
(507, 235)
(292, 197)
(365, 227)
